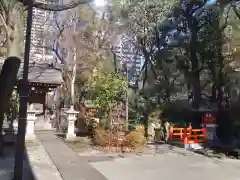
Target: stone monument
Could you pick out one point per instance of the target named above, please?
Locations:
(31, 118)
(71, 117)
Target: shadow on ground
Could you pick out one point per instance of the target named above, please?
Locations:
(214, 151)
(7, 160)
(220, 152)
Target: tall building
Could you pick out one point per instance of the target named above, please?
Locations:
(41, 35)
(130, 62)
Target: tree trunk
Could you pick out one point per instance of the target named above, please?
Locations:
(57, 99)
(196, 91)
(195, 65)
(145, 121)
(74, 70)
(15, 34)
(167, 88)
(224, 125)
(73, 81)
(15, 45)
(126, 107)
(7, 82)
(195, 78)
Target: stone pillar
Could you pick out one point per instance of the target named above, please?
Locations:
(151, 131)
(31, 118)
(71, 117)
(48, 123)
(47, 118)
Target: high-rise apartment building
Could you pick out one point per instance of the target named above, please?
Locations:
(41, 34)
(129, 60)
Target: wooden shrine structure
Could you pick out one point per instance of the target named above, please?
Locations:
(42, 78)
(90, 109)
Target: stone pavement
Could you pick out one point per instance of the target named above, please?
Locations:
(159, 163)
(69, 164)
(40, 162)
(7, 164)
(37, 164)
(170, 165)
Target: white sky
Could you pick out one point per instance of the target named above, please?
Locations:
(99, 3)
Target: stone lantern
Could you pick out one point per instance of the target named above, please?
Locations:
(71, 117)
(31, 118)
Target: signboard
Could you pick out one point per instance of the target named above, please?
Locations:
(210, 135)
(208, 118)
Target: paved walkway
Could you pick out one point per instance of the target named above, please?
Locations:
(70, 165)
(40, 163)
(170, 165)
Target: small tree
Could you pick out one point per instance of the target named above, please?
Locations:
(107, 89)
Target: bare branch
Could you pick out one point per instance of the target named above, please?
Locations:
(3, 7)
(236, 10)
(4, 23)
(56, 7)
(227, 16)
(59, 57)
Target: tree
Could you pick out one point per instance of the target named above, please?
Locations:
(92, 40)
(107, 89)
(12, 20)
(12, 23)
(142, 18)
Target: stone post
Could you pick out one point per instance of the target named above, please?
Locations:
(31, 118)
(71, 117)
(47, 121)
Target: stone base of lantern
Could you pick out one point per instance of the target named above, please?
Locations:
(48, 125)
(70, 137)
(30, 135)
(71, 116)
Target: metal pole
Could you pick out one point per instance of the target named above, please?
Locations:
(19, 156)
(126, 102)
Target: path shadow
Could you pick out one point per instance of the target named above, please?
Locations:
(220, 151)
(83, 132)
(7, 160)
(61, 135)
(216, 150)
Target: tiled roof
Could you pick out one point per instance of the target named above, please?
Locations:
(42, 73)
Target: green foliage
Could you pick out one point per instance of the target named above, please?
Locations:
(107, 89)
(143, 16)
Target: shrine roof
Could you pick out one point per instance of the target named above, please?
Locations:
(42, 73)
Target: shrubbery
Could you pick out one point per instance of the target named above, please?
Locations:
(134, 139)
(100, 137)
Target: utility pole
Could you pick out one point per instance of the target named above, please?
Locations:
(126, 101)
(20, 148)
(124, 66)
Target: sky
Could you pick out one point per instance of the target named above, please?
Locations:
(99, 3)
(211, 1)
